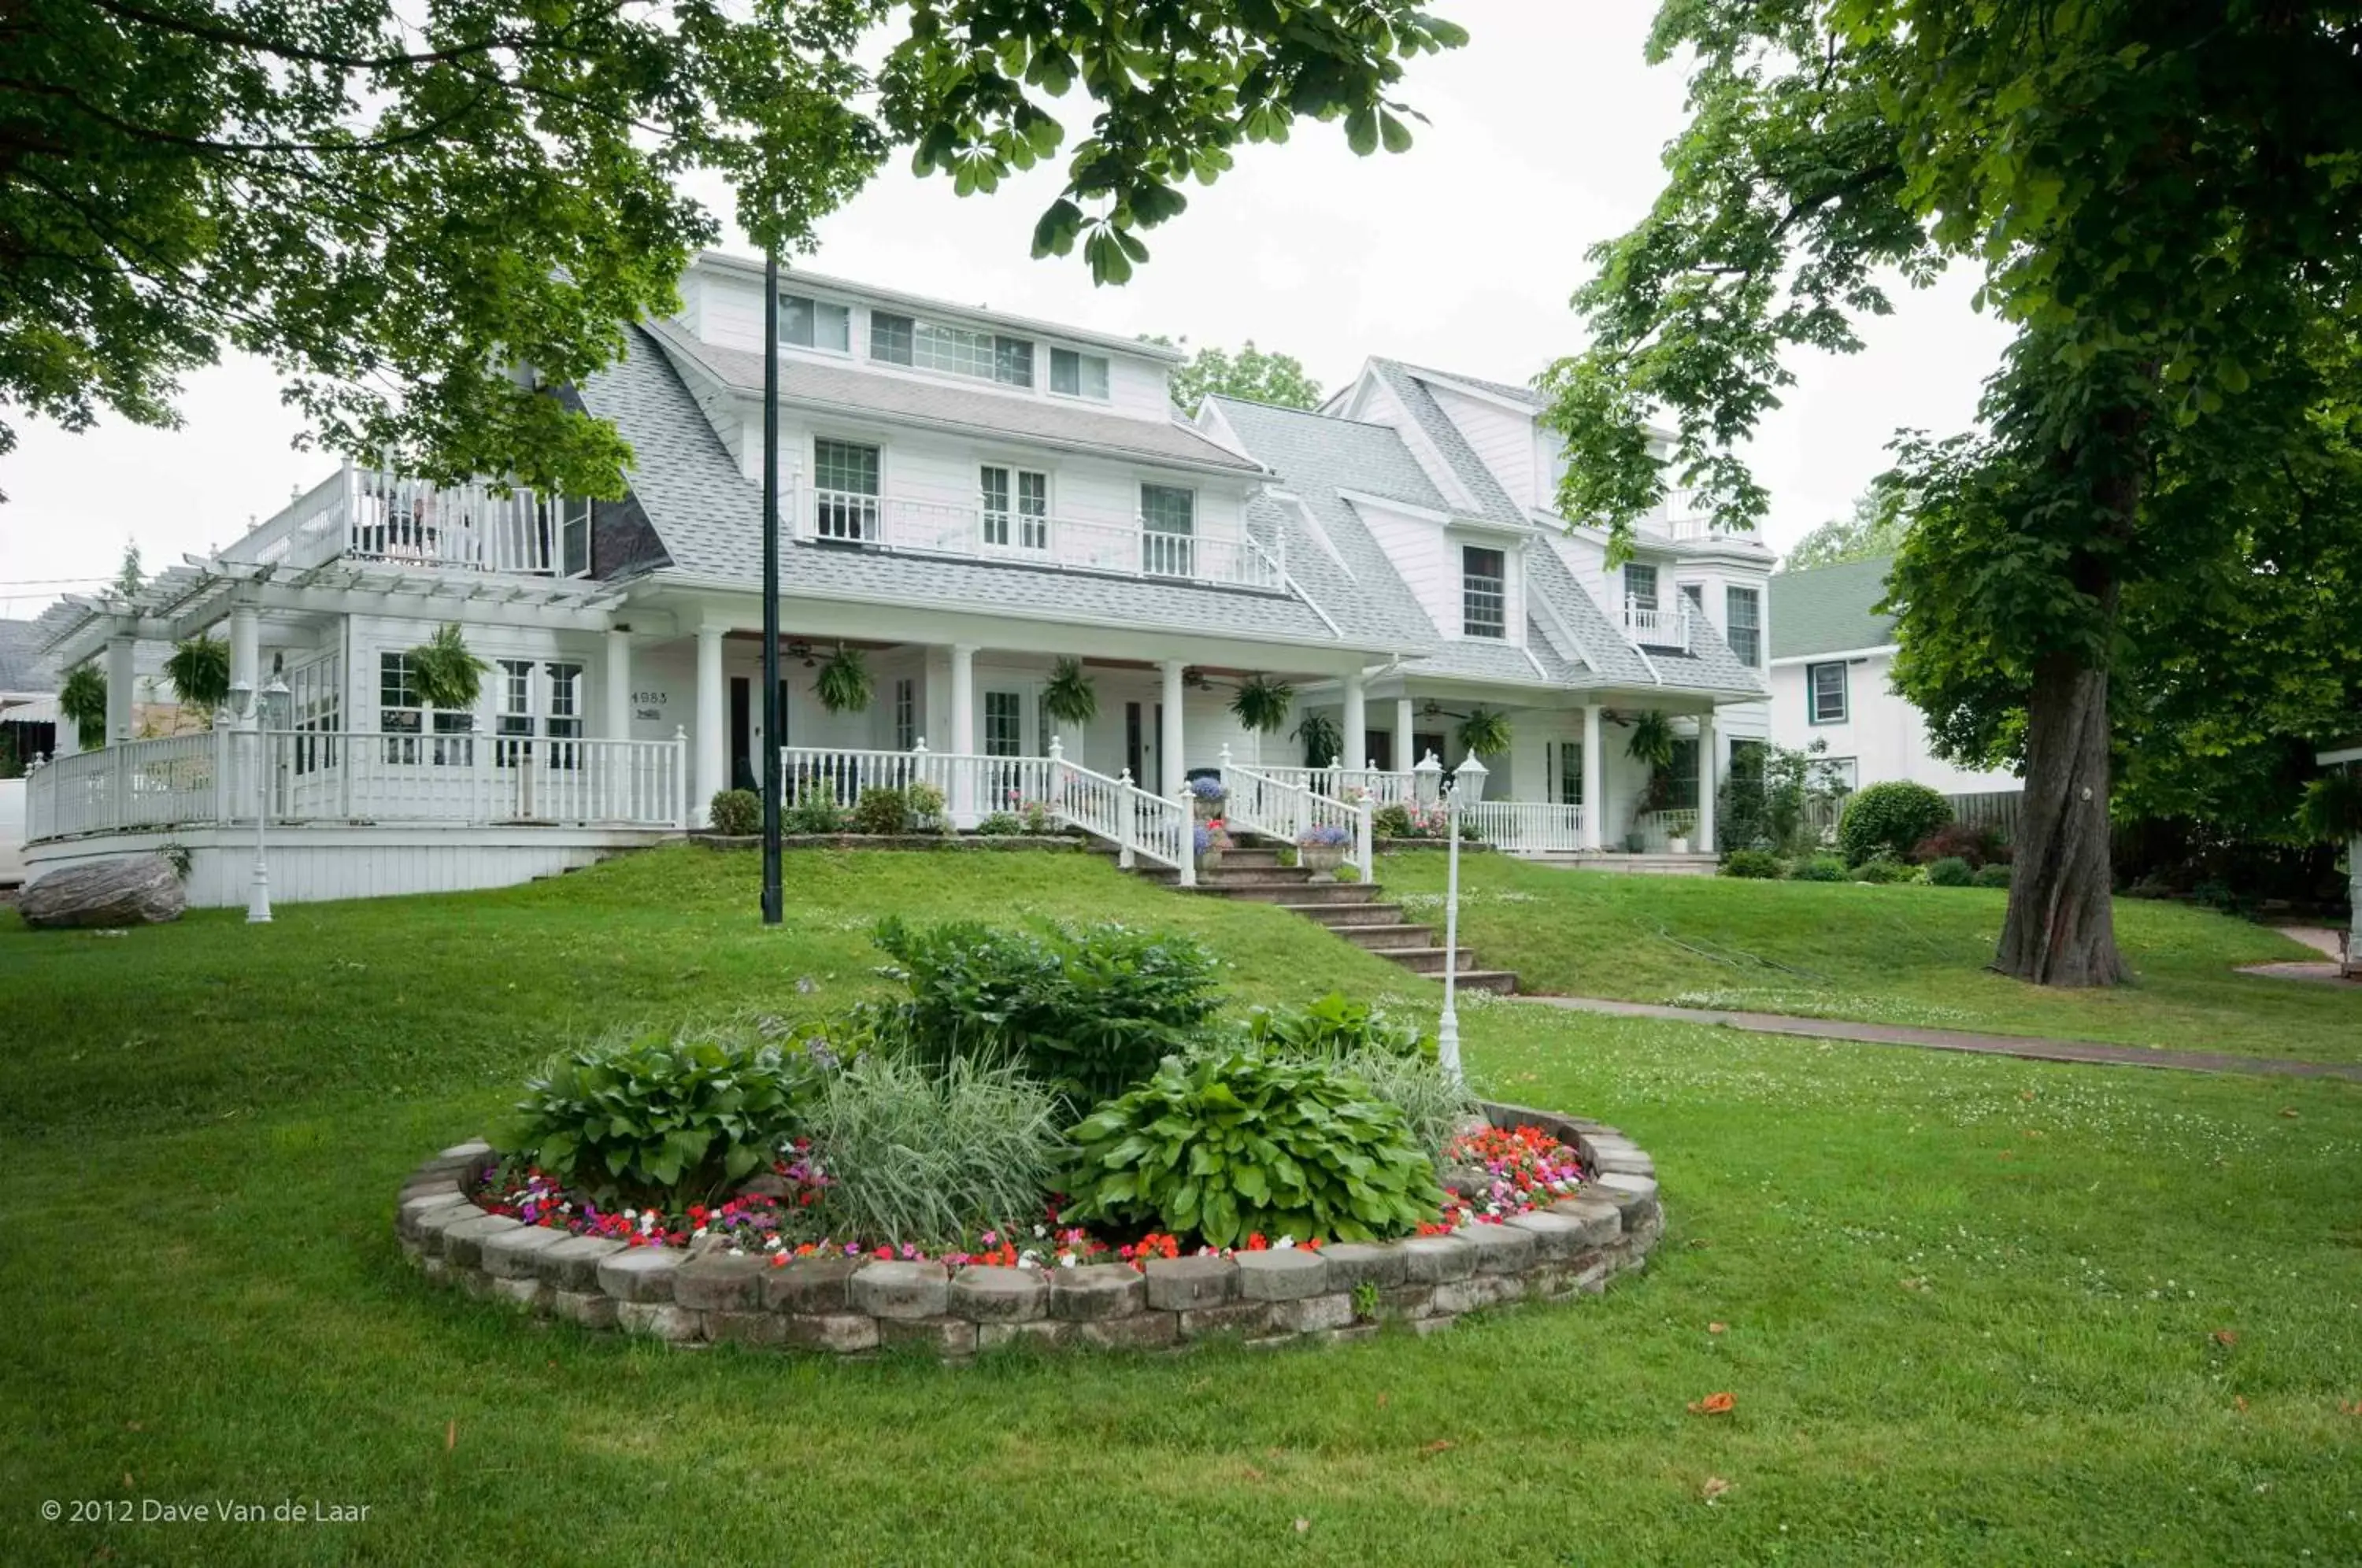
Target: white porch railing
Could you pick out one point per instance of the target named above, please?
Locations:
(367, 516)
(1275, 808)
(1657, 830)
(1130, 550)
(1659, 628)
(1382, 787)
(1527, 827)
(338, 776)
(974, 786)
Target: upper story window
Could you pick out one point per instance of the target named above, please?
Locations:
(1483, 592)
(954, 351)
(844, 491)
(1743, 610)
(1016, 507)
(815, 323)
(1168, 520)
(1075, 374)
(1825, 692)
(1639, 585)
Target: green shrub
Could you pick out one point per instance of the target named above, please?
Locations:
(1993, 875)
(1000, 824)
(928, 1155)
(734, 814)
(1241, 1142)
(1882, 870)
(1758, 864)
(926, 802)
(814, 813)
(1818, 869)
(1950, 872)
(662, 1115)
(882, 812)
(1337, 1026)
(1887, 819)
(1390, 822)
(1087, 1011)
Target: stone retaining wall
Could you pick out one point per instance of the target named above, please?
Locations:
(848, 1305)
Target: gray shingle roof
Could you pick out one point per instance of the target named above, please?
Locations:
(1827, 609)
(913, 401)
(21, 667)
(708, 518)
(1493, 502)
(1525, 395)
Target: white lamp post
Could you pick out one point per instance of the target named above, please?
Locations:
(273, 711)
(1427, 783)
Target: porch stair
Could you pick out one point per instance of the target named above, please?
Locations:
(1349, 909)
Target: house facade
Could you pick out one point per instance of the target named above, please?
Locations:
(1832, 682)
(968, 498)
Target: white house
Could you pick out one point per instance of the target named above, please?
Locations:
(1832, 663)
(969, 497)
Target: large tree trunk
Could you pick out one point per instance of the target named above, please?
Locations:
(2060, 930)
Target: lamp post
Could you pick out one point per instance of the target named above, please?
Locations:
(1427, 783)
(775, 715)
(271, 713)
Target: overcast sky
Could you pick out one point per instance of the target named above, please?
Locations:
(1545, 134)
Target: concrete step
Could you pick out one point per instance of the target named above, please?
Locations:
(1281, 876)
(1390, 935)
(1424, 960)
(1500, 982)
(1294, 894)
(1341, 917)
(1633, 865)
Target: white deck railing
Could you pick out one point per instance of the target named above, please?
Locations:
(1659, 628)
(1527, 827)
(1129, 549)
(367, 516)
(1382, 787)
(1275, 808)
(339, 777)
(974, 786)
(1657, 830)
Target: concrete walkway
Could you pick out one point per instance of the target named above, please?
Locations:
(1953, 1040)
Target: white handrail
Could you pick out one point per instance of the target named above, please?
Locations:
(1527, 827)
(1659, 628)
(1381, 787)
(1259, 802)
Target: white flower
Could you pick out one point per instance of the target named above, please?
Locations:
(1284, 1244)
(1065, 1260)
(1029, 1258)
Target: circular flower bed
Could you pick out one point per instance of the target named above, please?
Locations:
(1539, 1207)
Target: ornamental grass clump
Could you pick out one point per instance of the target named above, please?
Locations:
(663, 1116)
(1246, 1142)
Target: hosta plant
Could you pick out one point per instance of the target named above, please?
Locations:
(662, 1115)
(1243, 1142)
(1337, 1025)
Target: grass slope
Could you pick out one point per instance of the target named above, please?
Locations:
(1907, 955)
(1971, 1305)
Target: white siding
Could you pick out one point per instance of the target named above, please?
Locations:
(1885, 735)
(1503, 440)
(1420, 558)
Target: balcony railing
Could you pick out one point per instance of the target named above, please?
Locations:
(363, 514)
(974, 532)
(1652, 628)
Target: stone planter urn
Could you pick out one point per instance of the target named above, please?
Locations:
(1320, 859)
(1204, 808)
(1677, 845)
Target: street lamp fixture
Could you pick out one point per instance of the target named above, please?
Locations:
(275, 711)
(1467, 789)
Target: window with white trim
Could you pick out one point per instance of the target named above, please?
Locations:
(574, 537)
(512, 725)
(401, 715)
(815, 323)
(1743, 613)
(1075, 374)
(563, 724)
(844, 491)
(1639, 586)
(1825, 692)
(906, 714)
(1004, 723)
(1168, 520)
(952, 350)
(1484, 592)
(317, 690)
(1570, 773)
(1016, 508)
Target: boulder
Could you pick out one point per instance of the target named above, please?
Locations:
(138, 890)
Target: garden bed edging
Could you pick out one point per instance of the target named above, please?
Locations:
(851, 1305)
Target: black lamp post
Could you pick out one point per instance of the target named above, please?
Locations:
(773, 718)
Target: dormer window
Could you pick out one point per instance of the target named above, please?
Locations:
(1639, 586)
(1483, 592)
(1075, 374)
(953, 350)
(815, 323)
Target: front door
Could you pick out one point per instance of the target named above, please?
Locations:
(1382, 752)
(741, 733)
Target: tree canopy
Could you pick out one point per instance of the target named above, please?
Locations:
(402, 206)
(1249, 373)
(1869, 531)
(2164, 199)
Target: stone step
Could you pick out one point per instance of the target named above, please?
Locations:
(1296, 894)
(1341, 917)
(1500, 982)
(1389, 935)
(1424, 960)
(1240, 859)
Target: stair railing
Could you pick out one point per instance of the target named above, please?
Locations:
(1277, 809)
(1139, 824)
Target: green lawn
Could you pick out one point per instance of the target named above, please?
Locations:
(1906, 954)
(1971, 1305)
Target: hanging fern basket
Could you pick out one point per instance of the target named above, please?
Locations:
(199, 672)
(842, 684)
(1484, 733)
(446, 673)
(1069, 697)
(83, 701)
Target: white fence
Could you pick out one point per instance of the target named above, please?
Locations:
(1131, 549)
(1380, 786)
(1258, 802)
(974, 787)
(336, 775)
(375, 516)
(1655, 628)
(1527, 827)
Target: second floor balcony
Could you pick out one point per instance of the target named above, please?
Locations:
(1019, 535)
(1650, 627)
(362, 515)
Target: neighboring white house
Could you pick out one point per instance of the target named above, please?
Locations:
(1832, 662)
(28, 722)
(968, 497)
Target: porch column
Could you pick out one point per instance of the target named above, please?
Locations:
(1357, 724)
(246, 647)
(619, 685)
(121, 675)
(1404, 719)
(1708, 773)
(964, 810)
(712, 745)
(1170, 770)
(1594, 780)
